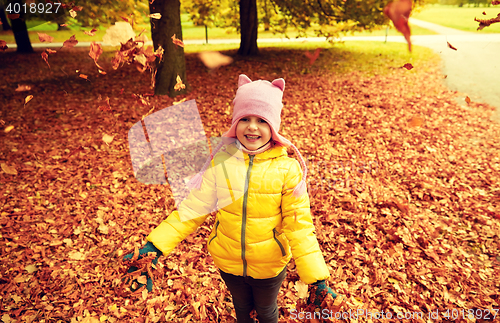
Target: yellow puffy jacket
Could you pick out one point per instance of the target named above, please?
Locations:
(259, 226)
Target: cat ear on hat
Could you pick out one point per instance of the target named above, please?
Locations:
(243, 79)
(279, 83)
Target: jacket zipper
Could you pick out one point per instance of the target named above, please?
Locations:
(283, 253)
(244, 215)
(216, 226)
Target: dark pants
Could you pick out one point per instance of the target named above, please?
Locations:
(249, 293)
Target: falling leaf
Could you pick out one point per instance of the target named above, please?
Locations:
(399, 12)
(72, 13)
(214, 59)
(451, 46)
(416, 122)
(13, 16)
(3, 45)
(124, 18)
(28, 99)
(45, 57)
(21, 88)
(95, 51)
(83, 76)
(467, 99)
(155, 15)
(8, 169)
(45, 38)
(50, 51)
(71, 42)
(91, 32)
(107, 138)
(484, 13)
(313, 57)
(408, 66)
(8, 129)
(179, 85)
(177, 42)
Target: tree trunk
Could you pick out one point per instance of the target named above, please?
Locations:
(248, 24)
(3, 18)
(21, 31)
(173, 62)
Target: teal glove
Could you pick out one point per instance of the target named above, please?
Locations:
(322, 291)
(148, 247)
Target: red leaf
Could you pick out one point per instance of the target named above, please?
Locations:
(399, 12)
(313, 57)
(3, 45)
(90, 33)
(408, 66)
(45, 38)
(451, 46)
(71, 42)
(95, 51)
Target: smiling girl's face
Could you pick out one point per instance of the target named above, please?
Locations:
(253, 132)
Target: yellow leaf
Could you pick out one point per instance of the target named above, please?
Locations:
(30, 268)
(155, 15)
(392, 280)
(107, 138)
(144, 294)
(8, 170)
(83, 76)
(8, 129)
(142, 280)
(103, 318)
(28, 99)
(301, 288)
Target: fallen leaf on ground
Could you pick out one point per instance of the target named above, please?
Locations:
(8, 169)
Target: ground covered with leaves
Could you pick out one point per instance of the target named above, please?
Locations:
(404, 184)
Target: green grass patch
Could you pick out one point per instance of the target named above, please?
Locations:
(459, 18)
(367, 57)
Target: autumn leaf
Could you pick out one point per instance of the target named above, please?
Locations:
(21, 88)
(399, 12)
(95, 51)
(451, 46)
(3, 45)
(408, 66)
(71, 42)
(28, 99)
(177, 42)
(72, 13)
(107, 138)
(45, 38)
(106, 106)
(83, 76)
(214, 60)
(13, 16)
(468, 100)
(91, 32)
(155, 15)
(179, 85)
(142, 280)
(416, 122)
(8, 129)
(45, 57)
(302, 289)
(8, 169)
(313, 57)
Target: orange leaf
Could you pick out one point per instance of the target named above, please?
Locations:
(95, 51)
(177, 42)
(467, 99)
(21, 88)
(313, 57)
(90, 33)
(28, 99)
(83, 76)
(45, 38)
(71, 42)
(45, 57)
(416, 122)
(179, 85)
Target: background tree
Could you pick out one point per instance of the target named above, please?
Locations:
(173, 63)
(18, 24)
(3, 17)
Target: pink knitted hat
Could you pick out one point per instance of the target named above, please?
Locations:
(262, 99)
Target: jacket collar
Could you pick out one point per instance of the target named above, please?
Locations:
(273, 152)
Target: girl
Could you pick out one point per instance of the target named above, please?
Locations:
(254, 236)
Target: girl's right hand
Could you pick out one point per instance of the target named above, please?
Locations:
(148, 248)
